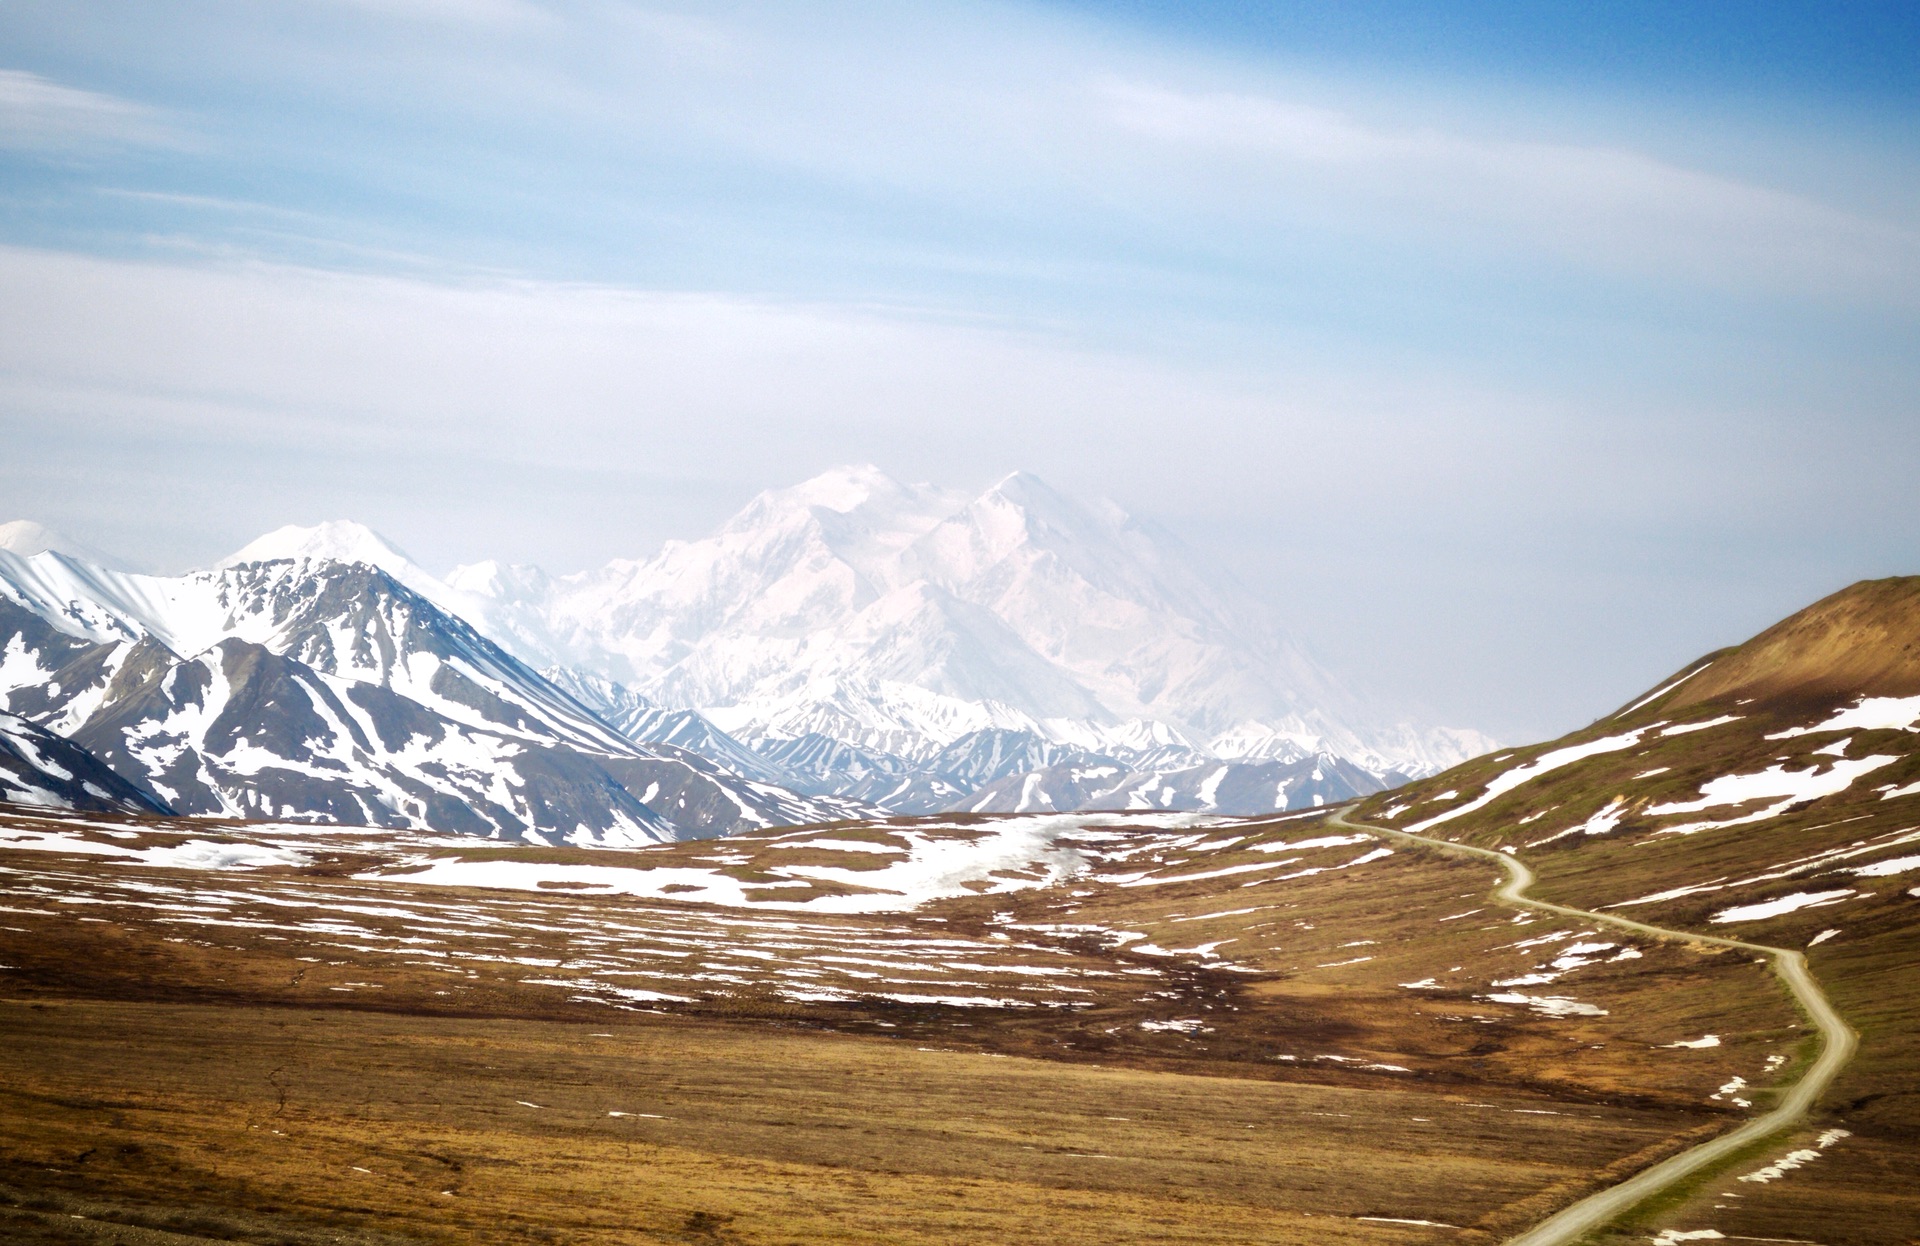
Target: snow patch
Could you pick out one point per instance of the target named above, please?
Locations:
(1686, 728)
(1784, 787)
(1504, 783)
(1551, 1005)
(1866, 714)
(1795, 1159)
(1187, 1025)
(1785, 904)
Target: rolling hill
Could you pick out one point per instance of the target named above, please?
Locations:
(1771, 792)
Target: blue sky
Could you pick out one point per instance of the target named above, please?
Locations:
(1516, 352)
(1799, 50)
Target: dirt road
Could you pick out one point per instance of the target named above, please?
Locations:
(1837, 1046)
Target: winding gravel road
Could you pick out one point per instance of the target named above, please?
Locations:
(1837, 1046)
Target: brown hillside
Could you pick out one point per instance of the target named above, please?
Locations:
(1864, 639)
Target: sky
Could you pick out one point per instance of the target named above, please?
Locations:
(1516, 353)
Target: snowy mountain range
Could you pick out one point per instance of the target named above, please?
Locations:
(900, 617)
(847, 644)
(327, 690)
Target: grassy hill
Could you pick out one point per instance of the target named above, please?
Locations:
(1770, 791)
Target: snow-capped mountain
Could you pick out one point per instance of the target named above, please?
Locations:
(27, 538)
(848, 643)
(311, 687)
(899, 618)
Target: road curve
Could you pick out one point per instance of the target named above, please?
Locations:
(1837, 1045)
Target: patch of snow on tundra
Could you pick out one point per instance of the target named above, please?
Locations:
(200, 854)
(1867, 714)
(1884, 869)
(1795, 1159)
(1323, 841)
(1685, 728)
(1506, 782)
(1784, 787)
(839, 845)
(1186, 1025)
(1600, 823)
(936, 866)
(192, 854)
(1785, 904)
(1663, 690)
(1551, 1005)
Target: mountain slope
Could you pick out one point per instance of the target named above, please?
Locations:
(1093, 782)
(1769, 792)
(39, 768)
(27, 538)
(325, 690)
(1817, 715)
(1861, 640)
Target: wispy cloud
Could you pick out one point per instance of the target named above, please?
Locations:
(38, 114)
(1605, 207)
(480, 12)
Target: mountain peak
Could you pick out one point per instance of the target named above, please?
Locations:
(27, 538)
(1022, 486)
(340, 540)
(844, 489)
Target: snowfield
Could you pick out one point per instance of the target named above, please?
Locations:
(1783, 786)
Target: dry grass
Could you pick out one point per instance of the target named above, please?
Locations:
(1851, 846)
(227, 1076)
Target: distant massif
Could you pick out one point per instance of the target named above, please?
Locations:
(848, 647)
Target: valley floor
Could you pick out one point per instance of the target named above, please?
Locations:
(1204, 1031)
(255, 1123)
